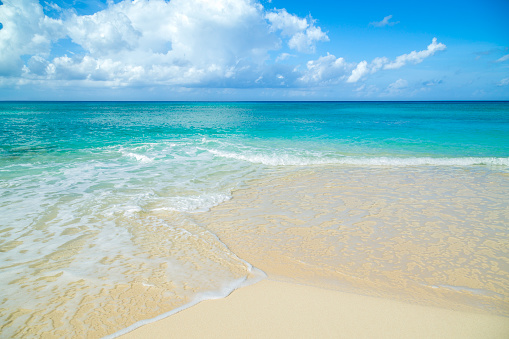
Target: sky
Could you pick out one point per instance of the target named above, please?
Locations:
(254, 50)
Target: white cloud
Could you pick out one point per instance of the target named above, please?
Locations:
(396, 88)
(288, 24)
(398, 84)
(153, 41)
(305, 41)
(363, 68)
(284, 56)
(176, 42)
(53, 6)
(325, 69)
(26, 31)
(103, 33)
(504, 58)
(384, 22)
(220, 43)
(359, 71)
(504, 82)
(38, 65)
(378, 63)
(89, 68)
(303, 33)
(416, 57)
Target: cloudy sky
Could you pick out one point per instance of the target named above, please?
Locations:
(254, 50)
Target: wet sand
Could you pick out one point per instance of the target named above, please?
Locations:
(356, 253)
(435, 237)
(271, 309)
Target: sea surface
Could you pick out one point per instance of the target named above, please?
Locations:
(112, 213)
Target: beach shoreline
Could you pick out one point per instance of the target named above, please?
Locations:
(424, 236)
(136, 211)
(303, 299)
(276, 309)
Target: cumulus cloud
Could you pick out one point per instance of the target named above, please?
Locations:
(329, 68)
(38, 65)
(363, 68)
(26, 31)
(170, 42)
(416, 57)
(176, 42)
(302, 32)
(384, 22)
(325, 69)
(191, 43)
(287, 23)
(103, 33)
(359, 71)
(305, 41)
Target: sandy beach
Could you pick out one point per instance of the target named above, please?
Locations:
(289, 231)
(272, 309)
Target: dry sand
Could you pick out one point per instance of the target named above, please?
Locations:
(272, 309)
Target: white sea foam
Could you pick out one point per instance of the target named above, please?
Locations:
(306, 159)
(274, 159)
(139, 157)
(197, 203)
(254, 275)
(421, 161)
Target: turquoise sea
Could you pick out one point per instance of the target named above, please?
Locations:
(98, 199)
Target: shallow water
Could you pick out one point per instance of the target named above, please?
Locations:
(433, 236)
(108, 211)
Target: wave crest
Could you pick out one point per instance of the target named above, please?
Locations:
(286, 159)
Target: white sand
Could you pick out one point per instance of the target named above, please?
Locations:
(387, 232)
(271, 309)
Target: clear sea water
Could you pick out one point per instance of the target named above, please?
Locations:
(97, 198)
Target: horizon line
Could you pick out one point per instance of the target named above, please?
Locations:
(250, 101)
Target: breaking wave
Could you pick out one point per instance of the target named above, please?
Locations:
(286, 159)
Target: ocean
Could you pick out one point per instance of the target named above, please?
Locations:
(113, 213)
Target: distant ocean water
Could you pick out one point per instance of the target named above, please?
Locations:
(97, 198)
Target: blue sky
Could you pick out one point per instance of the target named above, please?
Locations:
(253, 50)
